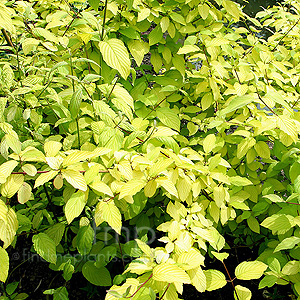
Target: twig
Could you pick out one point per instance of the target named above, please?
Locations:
(285, 34)
(231, 280)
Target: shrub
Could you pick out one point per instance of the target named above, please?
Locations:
(196, 149)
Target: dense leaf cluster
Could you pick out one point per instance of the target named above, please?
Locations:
(198, 147)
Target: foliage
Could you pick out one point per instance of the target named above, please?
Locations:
(201, 144)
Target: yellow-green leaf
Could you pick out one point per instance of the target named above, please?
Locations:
(131, 187)
(198, 279)
(3, 211)
(44, 177)
(12, 185)
(76, 157)
(209, 143)
(243, 293)
(101, 187)
(51, 148)
(168, 117)
(9, 228)
(109, 213)
(170, 273)
(248, 270)
(75, 178)
(214, 279)
(116, 56)
(191, 259)
(188, 49)
(45, 247)
(4, 263)
(24, 193)
(6, 169)
(262, 149)
(75, 206)
(29, 169)
(168, 185)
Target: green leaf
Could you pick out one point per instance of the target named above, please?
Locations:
(253, 224)
(4, 262)
(75, 102)
(84, 239)
(291, 268)
(287, 243)
(45, 247)
(274, 198)
(236, 103)
(168, 117)
(278, 223)
(170, 273)
(214, 280)
(94, 4)
(240, 181)
(242, 293)
(96, 276)
(75, 206)
(249, 270)
(116, 56)
(155, 36)
(268, 281)
(61, 293)
(209, 143)
(188, 49)
(56, 232)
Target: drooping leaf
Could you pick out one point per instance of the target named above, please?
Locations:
(45, 247)
(75, 206)
(116, 56)
(96, 276)
(4, 262)
(84, 239)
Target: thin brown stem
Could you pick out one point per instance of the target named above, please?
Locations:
(231, 280)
